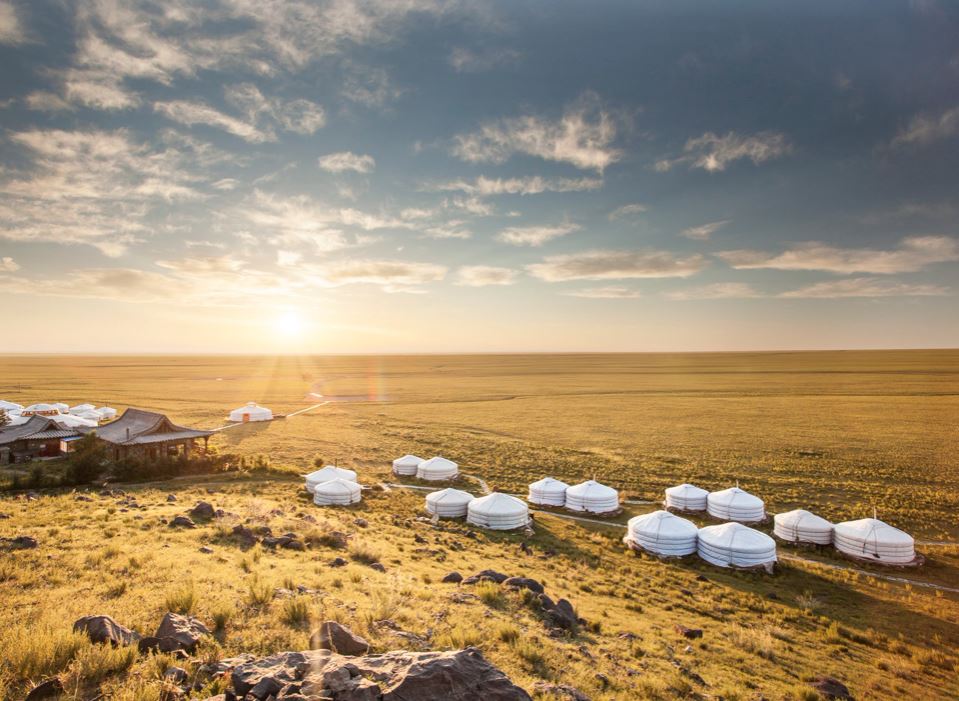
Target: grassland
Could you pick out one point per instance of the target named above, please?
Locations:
(840, 433)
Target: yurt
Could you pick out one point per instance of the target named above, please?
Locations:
(81, 409)
(548, 492)
(873, 540)
(107, 413)
(41, 410)
(92, 415)
(337, 492)
(328, 474)
(448, 503)
(15, 418)
(736, 545)
(497, 511)
(593, 497)
(686, 497)
(436, 469)
(62, 406)
(406, 465)
(662, 533)
(10, 407)
(71, 421)
(251, 411)
(734, 504)
(801, 526)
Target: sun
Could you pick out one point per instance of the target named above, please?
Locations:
(289, 323)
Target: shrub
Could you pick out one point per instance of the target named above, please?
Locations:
(181, 599)
(296, 612)
(491, 594)
(258, 594)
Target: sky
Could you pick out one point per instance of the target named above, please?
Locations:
(415, 176)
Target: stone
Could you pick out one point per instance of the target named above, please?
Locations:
(486, 576)
(103, 629)
(689, 633)
(206, 550)
(186, 630)
(171, 497)
(177, 675)
(203, 510)
(563, 615)
(361, 522)
(244, 533)
(378, 566)
(47, 689)
(831, 688)
(151, 643)
(295, 545)
(452, 578)
(23, 542)
(524, 583)
(338, 638)
(560, 691)
(182, 522)
(337, 562)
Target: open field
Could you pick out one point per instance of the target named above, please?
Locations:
(840, 433)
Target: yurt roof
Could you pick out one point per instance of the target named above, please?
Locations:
(337, 487)
(81, 407)
(10, 406)
(867, 528)
(439, 462)
(686, 490)
(408, 460)
(74, 421)
(550, 484)
(802, 518)
(331, 472)
(251, 405)
(736, 536)
(498, 503)
(62, 406)
(592, 489)
(43, 407)
(108, 409)
(449, 496)
(736, 495)
(663, 523)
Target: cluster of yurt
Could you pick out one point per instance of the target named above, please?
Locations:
(498, 512)
(801, 526)
(735, 545)
(871, 539)
(547, 492)
(406, 465)
(437, 469)
(592, 497)
(735, 504)
(251, 411)
(448, 503)
(686, 497)
(662, 533)
(81, 415)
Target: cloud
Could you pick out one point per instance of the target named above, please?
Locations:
(583, 137)
(926, 129)
(616, 265)
(452, 230)
(391, 275)
(719, 290)
(347, 160)
(299, 116)
(43, 101)
(11, 30)
(703, 231)
(8, 265)
(534, 235)
(865, 287)
(97, 89)
(483, 275)
(191, 113)
(913, 253)
(464, 60)
(370, 87)
(533, 185)
(713, 153)
(627, 210)
(605, 293)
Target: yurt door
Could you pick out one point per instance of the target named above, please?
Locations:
(246, 418)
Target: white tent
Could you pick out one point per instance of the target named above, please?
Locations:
(686, 497)
(107, 413)
(81, 409)
(498, 511)
(801, 526)
(62, 406)
(548, 492)
(92, 415)
(593, 497)
(662, 533)
(736, 545)
(406, 465)
(328, 474)
(72, 421)
(338, 492)
(734, 504)
(10, 406)
(871, 539)
(437, 468)
(41, 410)
(448, 503)
(251, 411)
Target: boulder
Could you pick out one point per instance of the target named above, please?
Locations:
(186, 630)
(486, 576)
(453, 578)
(48, 689)
(361, 522)
(378, 566)
(524, 583)
(182, 522)
(245, 534)
(690, 633)
(151, 643)
(298, 545)
(563, 615)
(171, 497)
(177, 675)
(203, 510)
(831, 688)
(103, 629)
(338, 638)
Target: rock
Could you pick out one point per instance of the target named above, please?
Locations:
(276, 541)
(295, 545)
(206, 550)
(524, 583)
(182, 522)
(452, 578)
(103, 629)
(486, 576)
(203, 510)
(281, 668)
(563, 615)
(48, 689)
(244, 533)
(361, 522)
(562, 691)
(171, 497)
(83, 497)
(23, 542)
(338, 638)
(184, 629)
(177, 675)
(151, 643)
(378, 566)
(337, 562)
(830, 688)
(690, 633)
(417, 538)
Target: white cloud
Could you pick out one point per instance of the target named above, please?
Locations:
(926, 129)
(370, 87)
(534, 235)
(532, 185)
(865, 287)
(414, 213)
(484, 275)
(452, 230)
(43, 101)
(347, 160)
(191, 113)
(98, 89)
(912, 254)
(465, 60)
(616, 265)
(8, 265)
(703, 231)
(391, 275)
(583, 137)
(627, 210)
(288, 258)
(11, 30)
(713, 153)
(719, 290)
(606, 293)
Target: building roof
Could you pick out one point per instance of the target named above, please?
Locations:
(35, 428)
(137, 426)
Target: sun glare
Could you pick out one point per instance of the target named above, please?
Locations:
(289, 324)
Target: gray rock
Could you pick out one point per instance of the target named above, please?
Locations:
(338, 638)
(184, 629)
(560, 691)
(203, 510)
(689, 633)
(206, 550)
(486, 576)
(177, 675)
(182, 522)
(453, 578)
(361, 522)
(563, 615)
(103, 629)
(337, 562)
(378, 566)
(171, 497)
(524, 583)
(23, 542)
(831, 688)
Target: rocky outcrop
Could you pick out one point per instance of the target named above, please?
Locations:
(461, 675)
(486, 576)
(523, 583)
(103, 629)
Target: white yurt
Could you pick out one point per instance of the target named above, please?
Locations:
(251, 411)
(499, 512)
(437, 468)
(107, 413)
(41, 410)
(686, 497)
(92, 415)
(734, 504)
(873, 540)
(593, 497)
(662, 533)
(448, 503)
(801, 526)
(328, 474)
(337, 492)
(406, 465)
(736, 545)
(10, 407)
(548, 492)
(62, 406)
(81, 409)
(71, 421)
